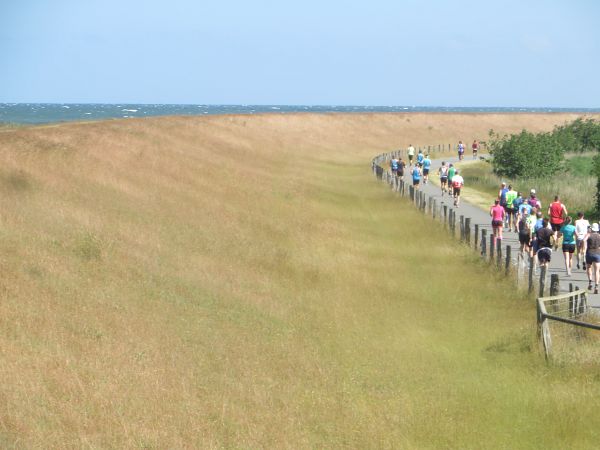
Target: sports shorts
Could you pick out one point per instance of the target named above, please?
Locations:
(544, 255)
(443, 179)
(496, 223)
(524, 239)
(568, 248)
(592, 258)
(456, 191)
(556, 226)
(416, 182)
(425, 171)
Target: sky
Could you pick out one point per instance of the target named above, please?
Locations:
(306, 52)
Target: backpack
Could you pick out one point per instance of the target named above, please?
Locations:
(532, 202)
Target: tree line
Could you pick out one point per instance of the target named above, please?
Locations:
(543, 154)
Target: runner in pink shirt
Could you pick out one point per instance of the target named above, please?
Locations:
(497, 212)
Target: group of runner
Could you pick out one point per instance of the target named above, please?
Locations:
(450, 179)
(539, 235)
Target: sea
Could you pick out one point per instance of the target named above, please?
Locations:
(43, 113)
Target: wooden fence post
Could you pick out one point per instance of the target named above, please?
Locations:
(461, 220)
(483, 242)
(554, 284)
(498, 252)
(434, 208)
(531, 264)
(542, 280)
(476, 235)
(445, 214)
(468, 230)
(507, 265)
(492, 247)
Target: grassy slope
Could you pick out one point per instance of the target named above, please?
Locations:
(243, 282)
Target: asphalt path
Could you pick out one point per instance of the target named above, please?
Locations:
(482, 218)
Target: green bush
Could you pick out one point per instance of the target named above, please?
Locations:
(542, 154)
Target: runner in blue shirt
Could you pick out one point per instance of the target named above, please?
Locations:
(416, 176)
(420, 158)
(426, 167)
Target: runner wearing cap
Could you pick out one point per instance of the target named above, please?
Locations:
(533, 200)
(517, 202)
(457, 184)
(592, 257)
(581, 230)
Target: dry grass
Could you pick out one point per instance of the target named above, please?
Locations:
(243, 282)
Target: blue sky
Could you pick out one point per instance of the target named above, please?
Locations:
(378, 52)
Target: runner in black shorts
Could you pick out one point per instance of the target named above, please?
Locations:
(443, 173)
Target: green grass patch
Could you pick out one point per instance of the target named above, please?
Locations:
(575, 185)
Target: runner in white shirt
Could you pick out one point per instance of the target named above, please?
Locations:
(581, 229)
(457, 184)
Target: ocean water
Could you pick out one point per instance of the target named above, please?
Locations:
(40, 113)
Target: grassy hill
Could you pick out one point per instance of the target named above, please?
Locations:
(244, 282)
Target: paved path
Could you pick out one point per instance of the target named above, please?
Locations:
(482, 218)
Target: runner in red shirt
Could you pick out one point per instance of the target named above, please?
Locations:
(557, 212)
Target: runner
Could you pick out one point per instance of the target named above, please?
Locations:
(556, 211)
(497, 213)
(426, 167)
(416, 176)
(517, 202)
(443, 173)
(461, 150)
(411, 154)
(531, 220)
(394, 166)
(568, 243)
(475, 148)
(581, 230)
(420, 158)
(511, 195)
(533, 200)
(544, 243)
(451, 172)
(401, 166)
(457, 184)
(524, 210)
(592, 257)
(524, 235)
(502, 194)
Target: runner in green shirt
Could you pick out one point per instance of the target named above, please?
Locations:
(511, 195)
(451, 172)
